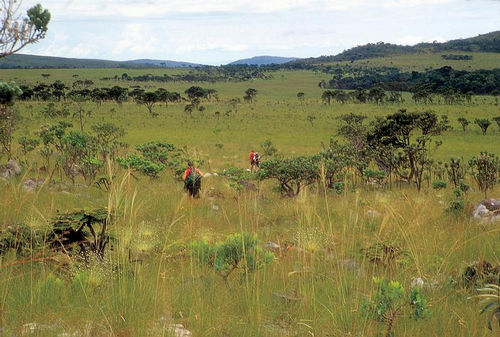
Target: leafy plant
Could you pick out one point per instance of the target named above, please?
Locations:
(142, 165)
(463, 122)
(390, 301)
(237, 250)
(292, 174)
(490, 299)
(484, 170)
(483, 123)
(439, 184)
(384, 254)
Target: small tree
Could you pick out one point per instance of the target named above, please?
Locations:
(456, 171)
(236, 251)
(16, 32)
(301, 96)
(148, 99)
(107, 135)
(250, 94)
(484, 170)
(483, 123)
(497, 120)
(27, 144)
(390, 301)
(292, 174)
(268, 148)
(464, 122)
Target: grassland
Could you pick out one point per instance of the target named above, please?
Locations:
(320, 278)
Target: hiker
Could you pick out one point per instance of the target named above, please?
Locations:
(192, 181)
(254, 158)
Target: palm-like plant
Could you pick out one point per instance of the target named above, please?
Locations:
(490, 299)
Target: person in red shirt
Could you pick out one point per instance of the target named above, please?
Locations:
(192, 181)
(254, 160)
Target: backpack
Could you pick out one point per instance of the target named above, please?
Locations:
(193, 180)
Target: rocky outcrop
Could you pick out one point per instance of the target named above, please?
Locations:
(9, 170)
(487, 210)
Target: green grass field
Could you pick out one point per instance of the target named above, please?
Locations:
(320, 278)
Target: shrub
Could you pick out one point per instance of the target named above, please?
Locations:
(390, 301)
(439, 184)
(226, 256)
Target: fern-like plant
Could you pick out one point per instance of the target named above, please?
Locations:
(490, 299)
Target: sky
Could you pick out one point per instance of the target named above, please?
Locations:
(221, 31)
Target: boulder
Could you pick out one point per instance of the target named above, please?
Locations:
(272, 246)
(10, 169)
(32, 184)
(248, 186)
(487, 210)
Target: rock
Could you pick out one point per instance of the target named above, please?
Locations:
(353, 265)
(417, 282)
(215, 174)
(215, 207)
(373, 214)
(208, 174)
(178, 330)
(271, 246)
(487, 210)
(34, 329)
(10, 169)
(248, 186)
(31, 184)
(165, 327)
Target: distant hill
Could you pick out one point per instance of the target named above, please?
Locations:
(264, 60)
(483, 43)
(33, 61)
(163, 63)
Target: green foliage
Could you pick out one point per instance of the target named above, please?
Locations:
(390, 301)
(386, 255)
(28, 144)
(484, 170)
(142, 165)
(268, 148)
(8, 93)
(250, 94)
(22, 240)
(483, 123)
(439, 184)
(409, 135)
(237, 250)
(464, 122)
(292, 174)
(490, 300)
(456, 171)
(107, 135)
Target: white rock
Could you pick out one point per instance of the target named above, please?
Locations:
(208, 174)
(178, 330)
(215, 207)
(417, 282)
(372, 213)
(272, 246)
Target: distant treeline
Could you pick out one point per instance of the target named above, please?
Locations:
(479, 82)
(455, 57)
(489, 43)
(228, 73)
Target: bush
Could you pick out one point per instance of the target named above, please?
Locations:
(226, 256)
(142, 165)
(439, 184)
